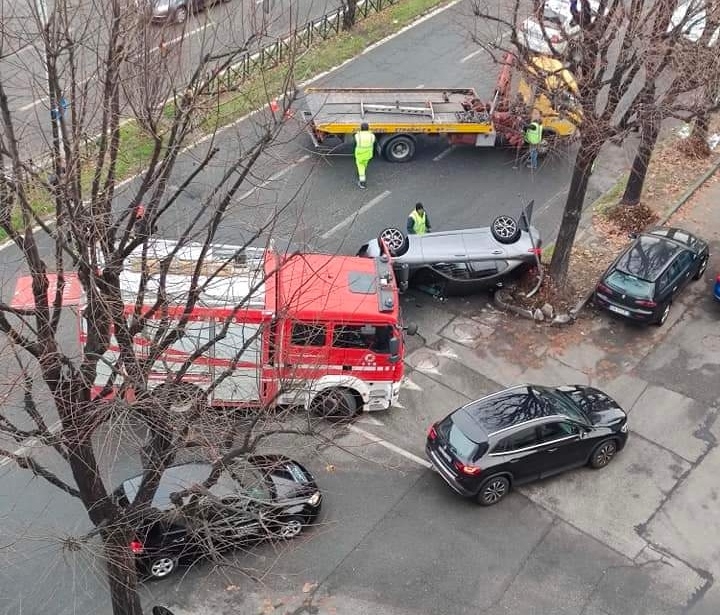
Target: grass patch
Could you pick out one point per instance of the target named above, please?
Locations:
(607, 201)
(136, 146)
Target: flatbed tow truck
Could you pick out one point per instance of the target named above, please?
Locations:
(398, 116)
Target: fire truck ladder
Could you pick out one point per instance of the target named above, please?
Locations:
(426, 110)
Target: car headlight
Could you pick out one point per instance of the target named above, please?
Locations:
(624, 428)
(314, 499)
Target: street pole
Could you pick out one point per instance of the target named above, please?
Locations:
(56, 101)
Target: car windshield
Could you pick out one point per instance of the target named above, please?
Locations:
(629, 284)
(552, 17)
(459, 444)
(562, 404)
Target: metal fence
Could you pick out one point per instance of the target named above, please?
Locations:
(290, 45)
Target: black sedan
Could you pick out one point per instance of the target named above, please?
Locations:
(647, 276)
(268, 496)
(522, 434)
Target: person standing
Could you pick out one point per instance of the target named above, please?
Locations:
(364, 149)
(418, 222)
(533, 137)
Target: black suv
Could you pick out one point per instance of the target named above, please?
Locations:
(522, 434)
(263, 496)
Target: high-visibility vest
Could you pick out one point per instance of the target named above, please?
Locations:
(419, 222)
(364, 141)
(533, 134)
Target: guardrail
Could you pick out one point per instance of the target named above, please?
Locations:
(286, 47)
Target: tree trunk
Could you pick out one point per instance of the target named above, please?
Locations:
(636, 180)
(573, 209)
(122, 577)
(349, 15)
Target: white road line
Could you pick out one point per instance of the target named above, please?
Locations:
(470, 56)
(391, 447)
(272, 178)
(444, 153)
(352, 217)
(29, 444)
(418, 87)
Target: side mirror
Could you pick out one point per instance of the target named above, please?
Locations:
(394, 345)
(632, 235)
(411, 329)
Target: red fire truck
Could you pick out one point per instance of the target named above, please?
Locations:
(314, 330)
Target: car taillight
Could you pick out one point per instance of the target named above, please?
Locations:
(432, 434)
(602, 288)
(467, 469)
(645, 303)
(137, 547)
(537, 251)
(717, 279)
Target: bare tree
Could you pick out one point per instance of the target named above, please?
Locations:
(111, 69)
(349, 13)
(618, 53)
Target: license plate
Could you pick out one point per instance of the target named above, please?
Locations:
(618, 310)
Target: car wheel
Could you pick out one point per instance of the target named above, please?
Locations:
(493, 490)
(664, 314)
(291, 527)
(161, 567)
(335, 405)
(505, 229)
(181, 14)
(399, 149)
(701, 268)
(395, 241)
(603, 454)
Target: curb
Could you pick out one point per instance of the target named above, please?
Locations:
(571, 316)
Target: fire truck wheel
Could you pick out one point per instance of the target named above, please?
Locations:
(335, 404)
(505, 229)
(180, 398)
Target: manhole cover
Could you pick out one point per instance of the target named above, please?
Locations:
(468, 332)
(427, 362)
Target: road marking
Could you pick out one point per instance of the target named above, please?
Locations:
(470, 56)
(272, 178)
(410, 385)
(28, 444)
(391, 447)
(371, 420)
(444, 153)
(418, 87)
(352, 217)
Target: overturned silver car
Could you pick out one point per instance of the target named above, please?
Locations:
(463, 261)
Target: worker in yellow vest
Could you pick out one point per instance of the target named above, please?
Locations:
(533, 137)
(364, 149)
(418, 222)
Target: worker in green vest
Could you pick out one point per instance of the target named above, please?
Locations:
(364, 148)
(533, 137)
(418, 222)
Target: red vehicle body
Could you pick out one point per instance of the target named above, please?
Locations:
(311, 330)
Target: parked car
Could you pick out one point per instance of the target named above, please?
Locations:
(461, 261)
(522, 434)
(716, 289)
(649, 274)
(175, 10)
(262, 497)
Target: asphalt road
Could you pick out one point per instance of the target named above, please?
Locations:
(460, 187)
(221, 27)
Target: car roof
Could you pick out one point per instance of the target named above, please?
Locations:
(488, 415)
(683, 237)
(179, 477)
(648, 256)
